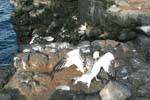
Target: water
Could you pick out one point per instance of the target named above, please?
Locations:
(8, 45)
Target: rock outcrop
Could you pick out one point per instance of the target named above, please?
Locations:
(115, 91)
(77, 20)
(33, 79)
(106, 25)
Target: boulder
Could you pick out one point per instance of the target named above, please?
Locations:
(62, 19)
(5, 96)
(144, 90)
(38, 61)
(115, 91)
(61, 94)
(6, 73)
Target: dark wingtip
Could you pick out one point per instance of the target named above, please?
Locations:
(59, 65)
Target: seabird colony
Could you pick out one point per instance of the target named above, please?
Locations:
(86, 60)
(89, 65)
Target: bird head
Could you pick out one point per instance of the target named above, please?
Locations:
(110, 57)
(85, 49)
(96, 55)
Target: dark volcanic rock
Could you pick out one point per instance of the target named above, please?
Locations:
(140, 98)
(11, 94)
(73, 95)
(63, 19)
(144, 90)
(61, 94)
(6, 73)
(34, 81)
(5, 96)
(30, 84)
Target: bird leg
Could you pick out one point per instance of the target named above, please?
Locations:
(111, 77)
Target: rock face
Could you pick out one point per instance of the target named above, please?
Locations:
(37, 60)
(63, 19)
(144, 90)
(33, 79)
(5, 97)
(115, 91)
(6, 72)
(105, 25)
(72, 95)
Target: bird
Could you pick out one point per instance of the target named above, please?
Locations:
(79, 57)
(104, 62)
(75, 57)
(90, 60)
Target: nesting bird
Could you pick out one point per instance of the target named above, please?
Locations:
(103, 62)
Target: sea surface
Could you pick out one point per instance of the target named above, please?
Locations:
(8, 46)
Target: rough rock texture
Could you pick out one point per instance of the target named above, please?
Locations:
(115, 91)
(5, 74)
(144, 90)
(62, 19)
(107, 25)
(72, 95)
(5, 96)
(33, 79)
(37, 60)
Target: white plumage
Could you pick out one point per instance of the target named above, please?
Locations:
(103, 62)
(96, 55)
(74, 57)
(48, 38)
(35, 36)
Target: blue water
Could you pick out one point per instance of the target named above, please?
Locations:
(8, 46)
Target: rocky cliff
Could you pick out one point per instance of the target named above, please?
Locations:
(62, 19)
(48, 29)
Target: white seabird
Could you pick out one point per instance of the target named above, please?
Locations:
(34, 39)
(90, 60)
(103, 62)
(74, 57)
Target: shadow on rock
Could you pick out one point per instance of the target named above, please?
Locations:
(74, 95)
(11, 94)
